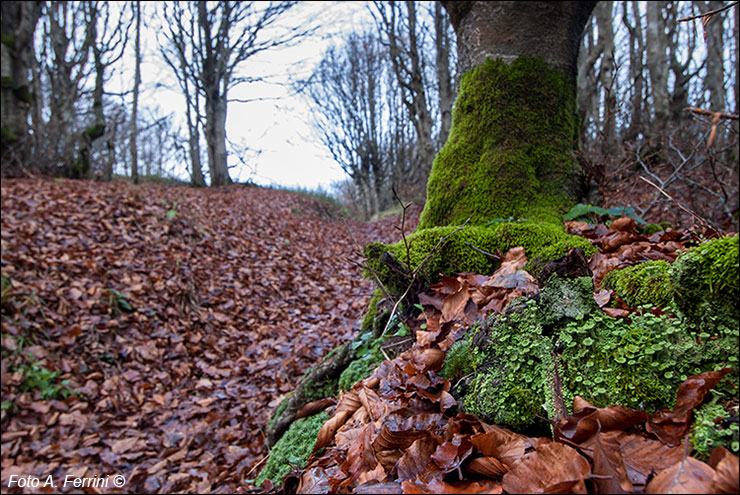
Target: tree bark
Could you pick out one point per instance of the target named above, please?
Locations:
(135, 105)
(714, 80)
(510, 29)
(444, 78)
(657, 63)
(18, 25)
(511, 148)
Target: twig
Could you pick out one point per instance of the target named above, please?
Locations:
(403, 228)
(360, 250)
(701, 220)
(711, 12)
(258, 464)
(709, 113)
(483, 252)
(440, 243)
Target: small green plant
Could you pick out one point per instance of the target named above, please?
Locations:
(710, 429)
(118, 301)
(37, 377)
(593, 214)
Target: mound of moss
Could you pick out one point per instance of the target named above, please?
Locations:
(469, 249)
(702, 283)
(510, 148)
(714, 427)
(293, 449)
(706, 279)
(637, 362)
(645, 283)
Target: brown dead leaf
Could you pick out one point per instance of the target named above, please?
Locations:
(552, 468)
(686, 476)
(726, 478)
(672, 426)
(587, 419)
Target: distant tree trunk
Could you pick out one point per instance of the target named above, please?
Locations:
(514, 131)
(215, 131)
(196, 169)
(714, 80)
(603, 14)
(18, 25)
(588, 97)
(636, 51)
(135, 105)
(657, 64)
(444, 78)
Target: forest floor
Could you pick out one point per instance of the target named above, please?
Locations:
(148, 331)
(165, 324)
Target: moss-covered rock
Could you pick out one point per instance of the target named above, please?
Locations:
(645, 283)
(510, 148)
(563, 300)
(465, 250)
(705, 281)
(638, 362)
(293, 449)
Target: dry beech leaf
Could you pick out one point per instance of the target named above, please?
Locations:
(587, 419)
(552, 468)
(726, 477)
(686, 476)
(671, 426)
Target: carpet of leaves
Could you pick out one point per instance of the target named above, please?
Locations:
(399, 430)
(176, 319)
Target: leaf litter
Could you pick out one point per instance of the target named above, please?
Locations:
(176, 334)
(179, 333)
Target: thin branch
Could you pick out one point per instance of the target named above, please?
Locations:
(711, 12)
(440, 244)
(701, 220)
(722, 115)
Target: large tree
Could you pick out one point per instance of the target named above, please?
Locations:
(18, 24)
(514, 129)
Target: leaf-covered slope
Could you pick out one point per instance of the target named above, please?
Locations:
(164, 324)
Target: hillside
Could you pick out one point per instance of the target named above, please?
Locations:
(164, 323)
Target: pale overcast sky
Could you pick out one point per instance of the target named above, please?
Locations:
(291, 153)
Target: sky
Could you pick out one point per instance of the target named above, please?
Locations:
(283, 147)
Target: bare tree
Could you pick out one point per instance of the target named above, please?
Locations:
(402, 36)
(177, 48)
(135, 104)
(108, 45)
(229, 33)
(347, 90)
(18, 23)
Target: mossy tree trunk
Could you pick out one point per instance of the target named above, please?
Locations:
(510, 151)
(18, 24)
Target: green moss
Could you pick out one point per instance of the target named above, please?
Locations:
(458, 362)
(275, 415)
(510, 148)
(652, 228)
(563, 300)
(372, 309)
(94, 131)
(359, 369)
(321, 390)
(293, 449)
(705, 281)
(8, 136)
(713, 427)
(637, 362)
(6, 82)
(541, 241)
(645, 283)
(7, 39)
(513, 380)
